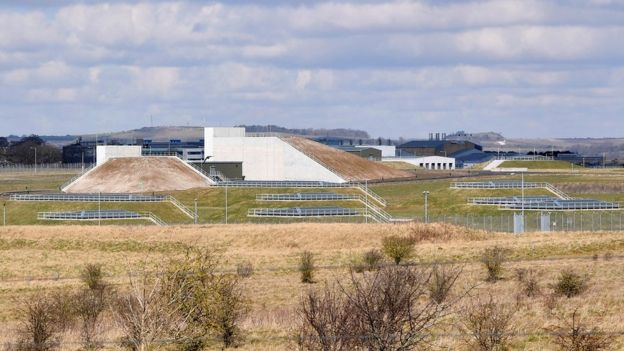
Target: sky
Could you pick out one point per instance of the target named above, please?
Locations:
(393, 68)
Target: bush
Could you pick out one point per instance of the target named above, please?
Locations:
(92, 276)
(528, 280)
(576, 336)
(398, 248)
(211, 304)
(493, 259)
(383, 310)
(487, 324)
(306, 267)
(245, 269)
(42, 320)
(570, 284)
(443, 278)
(372, 259)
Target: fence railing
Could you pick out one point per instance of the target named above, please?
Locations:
(303, 212)
(43, 167)
(100, 215)
(511, 185)
(74, 178)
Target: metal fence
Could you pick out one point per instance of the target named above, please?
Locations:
(43, 167)
(90, 197)
(308, 197)
(559, 221)
(304, 212)
(94, 215)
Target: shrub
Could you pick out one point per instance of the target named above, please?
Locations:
(92, 276)
(443, 278)
(398, 248)
(383, 310)
(42, 320)
(306, 267)
(576, 336)
(493, 259)
(529, 282)
(570, 284)
(211, 304)
(89, 305)
(372, 258)
(245, 269)
(487, 324)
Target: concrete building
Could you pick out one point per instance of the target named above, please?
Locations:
(263, 158)
(106, 152)
(369, 153)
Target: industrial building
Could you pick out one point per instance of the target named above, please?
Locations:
(429, 162)
(84, 151)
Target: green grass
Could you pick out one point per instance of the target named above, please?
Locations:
(532, 165)
(405, 199)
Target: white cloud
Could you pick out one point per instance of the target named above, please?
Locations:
(327, 63)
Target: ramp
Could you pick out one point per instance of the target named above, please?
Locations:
(347, 166)
(139, 175)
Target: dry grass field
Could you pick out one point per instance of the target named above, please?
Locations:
(50, 257)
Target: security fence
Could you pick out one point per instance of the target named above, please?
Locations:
(538, 221)
(43, 167)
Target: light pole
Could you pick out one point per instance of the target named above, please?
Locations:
(426, 193)
(366, 211)
(4, 214)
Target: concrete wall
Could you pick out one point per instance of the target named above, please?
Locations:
(429, 162)
(264, 158)
(105, 152)
(386, 150)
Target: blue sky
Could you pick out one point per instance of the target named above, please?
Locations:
(398, 68)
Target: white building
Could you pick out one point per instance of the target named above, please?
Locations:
(264, 157)
(426, 162)
(105, 152)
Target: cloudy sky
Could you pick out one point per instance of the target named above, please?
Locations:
(396, 68)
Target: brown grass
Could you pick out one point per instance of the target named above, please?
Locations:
(273, 250)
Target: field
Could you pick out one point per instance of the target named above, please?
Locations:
(50, 257)
(405, 199)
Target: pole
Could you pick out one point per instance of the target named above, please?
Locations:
(99, 208)
(226, 203)
(4, 214)
(195, 219)
(366, 211)
(35, 159)
(426, 193)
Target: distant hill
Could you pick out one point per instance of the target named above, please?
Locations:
(196, 133)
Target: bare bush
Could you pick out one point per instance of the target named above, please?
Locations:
(398, 248)
(42, 320)
(372, 259)
(90, 304)
(327, 321)
(570, 283)
(245, 269)
(487, 323)
(306, 267)
(146, 313)
(443, 278)
(577, 336)
(388, 309)
(493, 260)
(529, 282)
